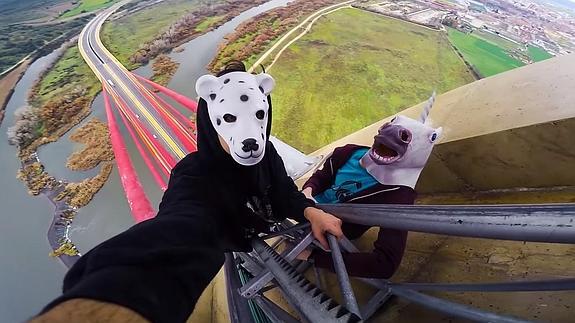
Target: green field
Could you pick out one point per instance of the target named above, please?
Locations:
(496, 40)
(69, 71)
(353, 69)
(208, 22)
(488, 58)
(124, 36)
(88, 6)
(537, 53)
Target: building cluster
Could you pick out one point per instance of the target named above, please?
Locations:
(544, 24)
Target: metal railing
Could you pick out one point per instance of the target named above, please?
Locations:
(553, 223)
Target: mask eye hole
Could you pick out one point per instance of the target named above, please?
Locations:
(433, 137)
(229, 118)
(393, 119)
(260, 114)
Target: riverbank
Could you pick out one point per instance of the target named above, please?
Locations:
(68, 197)
(134, 39)
(60, 99)
(7, 84)
(164, 68)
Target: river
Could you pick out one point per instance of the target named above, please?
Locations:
(29, 278)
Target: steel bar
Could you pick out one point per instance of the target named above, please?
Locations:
(255, 284)
(347, 245)
(517, 286)
(237, 306)
(251, 264)
(310, 302)
(297, 227)
(342, 277)
(538, 223)
(374, 303)
(274, 312)
(451, 308)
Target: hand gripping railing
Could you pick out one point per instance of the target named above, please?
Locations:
(536, 223)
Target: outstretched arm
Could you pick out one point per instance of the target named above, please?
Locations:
(155, 271)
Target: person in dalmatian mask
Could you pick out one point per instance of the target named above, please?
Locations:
(218, 198)
(248, 179)
(385, 173)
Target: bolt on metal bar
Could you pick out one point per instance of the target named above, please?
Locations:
(537, 223)
(274, 312)
(452, 308)
(255, 284)
(343, 279)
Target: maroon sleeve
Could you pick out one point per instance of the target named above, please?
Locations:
(388, 249)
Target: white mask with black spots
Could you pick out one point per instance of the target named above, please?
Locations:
(238, 109)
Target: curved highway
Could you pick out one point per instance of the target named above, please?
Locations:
(122, 85)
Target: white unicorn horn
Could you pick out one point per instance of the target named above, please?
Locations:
(428, 105)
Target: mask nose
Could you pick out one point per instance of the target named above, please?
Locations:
(250, 144)
(405, 135)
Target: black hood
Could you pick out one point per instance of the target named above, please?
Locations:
(214, 157)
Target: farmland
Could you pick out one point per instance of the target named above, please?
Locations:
(343, 75)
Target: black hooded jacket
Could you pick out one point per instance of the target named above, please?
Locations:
(159, 267)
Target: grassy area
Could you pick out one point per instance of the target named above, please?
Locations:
(353, 69)
(496, 40)
(487, 57)
(69, 71)
(87, 6)
(124, 36)
(534, 53)
(208, 22)
(537, 53)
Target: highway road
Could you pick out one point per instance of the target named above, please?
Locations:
(124, 88)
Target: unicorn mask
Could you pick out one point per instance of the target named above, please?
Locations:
(401, 148)
(238, 109)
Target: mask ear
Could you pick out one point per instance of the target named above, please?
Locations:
(206, 85)
(265, 82)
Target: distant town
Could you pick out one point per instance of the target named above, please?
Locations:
(548, 25)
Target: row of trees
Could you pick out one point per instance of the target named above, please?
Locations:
(255, 35)
(185, 27)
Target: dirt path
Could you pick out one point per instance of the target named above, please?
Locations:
(313, 17)
(303, 33)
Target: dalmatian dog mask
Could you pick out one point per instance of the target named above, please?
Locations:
(238, 109)
(401, 149)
